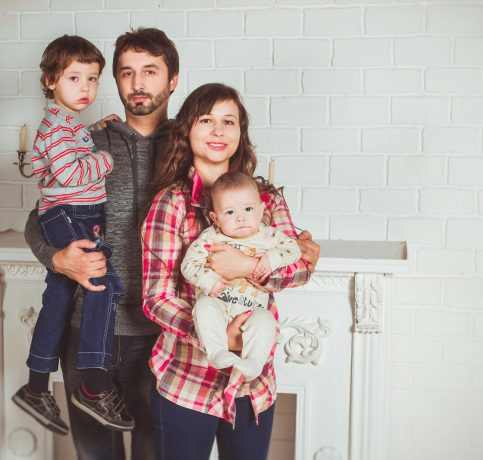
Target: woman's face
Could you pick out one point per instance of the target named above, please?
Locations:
(215, 136)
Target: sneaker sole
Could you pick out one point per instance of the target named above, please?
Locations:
(97, 417)
(45, 422)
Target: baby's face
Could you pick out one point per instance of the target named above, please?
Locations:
(238, 213)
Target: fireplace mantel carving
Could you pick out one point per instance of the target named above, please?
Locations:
(333, 354)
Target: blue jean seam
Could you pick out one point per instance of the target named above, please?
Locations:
(42, 357)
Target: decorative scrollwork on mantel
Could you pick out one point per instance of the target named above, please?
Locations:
(368, 299)
(323, 281)
(327, 453)
(22, 442)
(305, 346)
(28, 317)
(31, 271)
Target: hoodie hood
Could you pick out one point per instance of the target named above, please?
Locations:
(140, 149)
(128, 132)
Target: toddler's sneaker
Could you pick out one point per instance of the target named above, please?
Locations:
(42, 407)
(106, 407)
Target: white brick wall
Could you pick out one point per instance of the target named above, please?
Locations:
(372, 110)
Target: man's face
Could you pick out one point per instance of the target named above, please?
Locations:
(143, 83)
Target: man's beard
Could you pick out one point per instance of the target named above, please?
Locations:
(154, 102)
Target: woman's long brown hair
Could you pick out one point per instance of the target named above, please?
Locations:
(175, 166)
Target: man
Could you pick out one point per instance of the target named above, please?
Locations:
(146, 67)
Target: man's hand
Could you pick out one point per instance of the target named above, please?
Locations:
(230, 262)
(79, 265)
(234, 332)
(218, 288)
(309, 248)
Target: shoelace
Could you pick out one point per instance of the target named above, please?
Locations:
(51, 404)
(114, 402)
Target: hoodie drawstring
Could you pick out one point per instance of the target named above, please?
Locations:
(134, 160)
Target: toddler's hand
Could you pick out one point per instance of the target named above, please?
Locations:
(262, 269)
(101, 124)
(218, 288)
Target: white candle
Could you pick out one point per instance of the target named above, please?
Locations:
(23, 138)
(271, 170)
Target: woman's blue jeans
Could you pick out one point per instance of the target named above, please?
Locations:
(185, 434)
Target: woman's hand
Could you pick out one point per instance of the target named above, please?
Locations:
(234, 332)
(229, 262)
(309, 248)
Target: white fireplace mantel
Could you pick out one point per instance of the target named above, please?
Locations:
(333, 355)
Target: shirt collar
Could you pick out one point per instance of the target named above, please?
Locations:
(200, 197)
(197, 188)
(59, 110)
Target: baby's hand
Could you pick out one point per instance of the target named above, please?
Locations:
(218, 288)
(262, 269)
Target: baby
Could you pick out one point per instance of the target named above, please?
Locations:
(237, 215)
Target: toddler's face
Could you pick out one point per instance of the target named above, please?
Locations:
(238, 213)
(76, 87)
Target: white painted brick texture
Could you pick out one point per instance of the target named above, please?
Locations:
(172, 22)
(392, 81)
(416, 170)
(454, 19)
(422, 51)
(356, 52)
(245, 53)
(10, 84)
(8, 27)
(451, 140)
(106, 25)
(273, 22)
(333, 22)
(45, 26)
(214, 23)
(262, 82)
(332, 81)
(466, 50)
(301, 52)
(393, 20)
(373, 112)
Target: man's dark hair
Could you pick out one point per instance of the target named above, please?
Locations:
(150, 40)
(60, 53)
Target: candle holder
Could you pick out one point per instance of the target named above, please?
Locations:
(21, 165)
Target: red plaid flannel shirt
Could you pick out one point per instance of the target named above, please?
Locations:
(178, 361)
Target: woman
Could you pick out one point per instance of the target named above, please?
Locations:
(194, 403)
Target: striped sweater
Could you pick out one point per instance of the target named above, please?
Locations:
(68, 167)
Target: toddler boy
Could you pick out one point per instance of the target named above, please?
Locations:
(71, 179)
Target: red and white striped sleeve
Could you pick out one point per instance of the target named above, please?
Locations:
(70, 165)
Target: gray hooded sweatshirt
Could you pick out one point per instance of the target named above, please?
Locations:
(135, 159)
